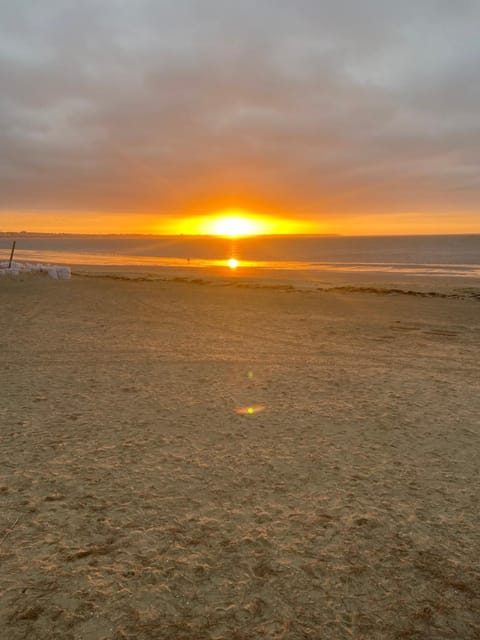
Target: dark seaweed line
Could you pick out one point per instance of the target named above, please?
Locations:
(405, 292)
(285, 287)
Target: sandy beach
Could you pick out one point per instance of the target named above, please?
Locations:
(187, 460)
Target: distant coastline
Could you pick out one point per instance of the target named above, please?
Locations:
(43, 234)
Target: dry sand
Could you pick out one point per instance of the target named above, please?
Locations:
(137, 504)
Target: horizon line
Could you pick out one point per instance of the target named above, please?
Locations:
(225, 237)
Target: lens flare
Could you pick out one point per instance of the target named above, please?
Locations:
(249, 410)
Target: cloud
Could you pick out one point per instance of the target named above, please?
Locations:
(302, 107)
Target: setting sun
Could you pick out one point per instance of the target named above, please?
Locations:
(237, 223)
(234, 226)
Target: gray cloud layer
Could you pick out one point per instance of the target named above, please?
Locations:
(308, 106)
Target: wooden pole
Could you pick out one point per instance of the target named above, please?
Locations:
(11, 254)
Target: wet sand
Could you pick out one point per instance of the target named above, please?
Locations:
(141, 499)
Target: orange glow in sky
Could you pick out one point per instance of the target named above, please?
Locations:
(234, 223)
(161, 119)
(237, 223)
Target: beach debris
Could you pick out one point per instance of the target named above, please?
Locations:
(53, 271)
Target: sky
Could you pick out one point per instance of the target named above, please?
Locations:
(347, 116)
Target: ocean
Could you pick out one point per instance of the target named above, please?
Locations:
(452, 255)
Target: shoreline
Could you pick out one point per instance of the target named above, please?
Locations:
(325, 280)
(301, 280)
